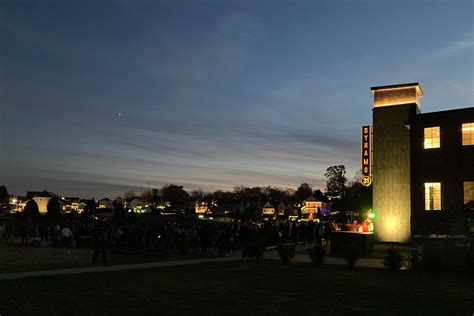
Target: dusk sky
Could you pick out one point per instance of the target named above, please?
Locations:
(101, 97)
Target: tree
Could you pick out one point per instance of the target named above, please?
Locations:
(318, 195)
(53, 208)
(31, 209)
(239, 190)
(243, 191)
(174, 194)
(129, 194)
(197, 195)
(221, 197)
(146, 197)
(357, 198)
(336, 181)
(275, 194)
(303, 192)
(155, 192)
(4, 198)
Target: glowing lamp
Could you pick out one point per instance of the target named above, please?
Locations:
(371, 215)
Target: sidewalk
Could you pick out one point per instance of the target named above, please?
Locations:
(135, 266)
(270, 254)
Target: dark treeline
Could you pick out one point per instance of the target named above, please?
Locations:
(341, 197)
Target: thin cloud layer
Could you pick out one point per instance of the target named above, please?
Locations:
(110, 96)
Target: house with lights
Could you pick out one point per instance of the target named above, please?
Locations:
(311, 207)
(201, 208)
(105, 203)
(17, 203)
(282, 209)
(268, 211)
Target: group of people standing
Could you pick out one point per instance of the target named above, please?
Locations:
(199, 237)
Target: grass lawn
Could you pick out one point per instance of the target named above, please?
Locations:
(17, 259)
(244, 287)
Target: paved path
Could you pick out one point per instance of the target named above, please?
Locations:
(270, 254)
(20, 275)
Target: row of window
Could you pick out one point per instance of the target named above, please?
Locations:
(433, 195)
(432, 136)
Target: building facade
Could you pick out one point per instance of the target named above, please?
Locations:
(442, 176)
(423, 166)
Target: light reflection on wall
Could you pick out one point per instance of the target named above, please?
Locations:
(392, 228)
(396, 96)
(393, 106)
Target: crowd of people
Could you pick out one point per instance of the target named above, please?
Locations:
(200, 236)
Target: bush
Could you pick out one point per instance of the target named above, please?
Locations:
(393, 260)
(351, 255)
(470, 261)
(317, 254)
(432, 263)
(286, 253)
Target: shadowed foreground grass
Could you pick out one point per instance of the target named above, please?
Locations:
(240, 288)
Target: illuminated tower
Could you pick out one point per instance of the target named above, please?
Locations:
(393, 107)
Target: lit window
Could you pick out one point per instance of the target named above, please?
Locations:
(433, 196)
(469, 195)
(468, 134)
(431, 137)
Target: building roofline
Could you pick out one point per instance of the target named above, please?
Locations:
(394, 86)
(401, 86)
(446, 111)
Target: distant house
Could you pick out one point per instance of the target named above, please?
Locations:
(268, 210)
(73, 204)
(158, 202)
(119, 200)
(105, 203)
(201, 207)
(293, 212)
(79, 207)
(281, 209)
(138, 206)
(69, 204)
(135, 203)
(17, 203)
(229, 208)
(128, 200)
(311, 207)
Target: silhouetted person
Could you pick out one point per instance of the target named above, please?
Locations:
(310, 228)
(8, 234)
(66, 236)
(319, 234)
(101, 242)
(204, 236)
(327, 233)
(24, 234)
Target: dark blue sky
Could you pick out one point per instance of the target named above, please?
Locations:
(101, 97)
